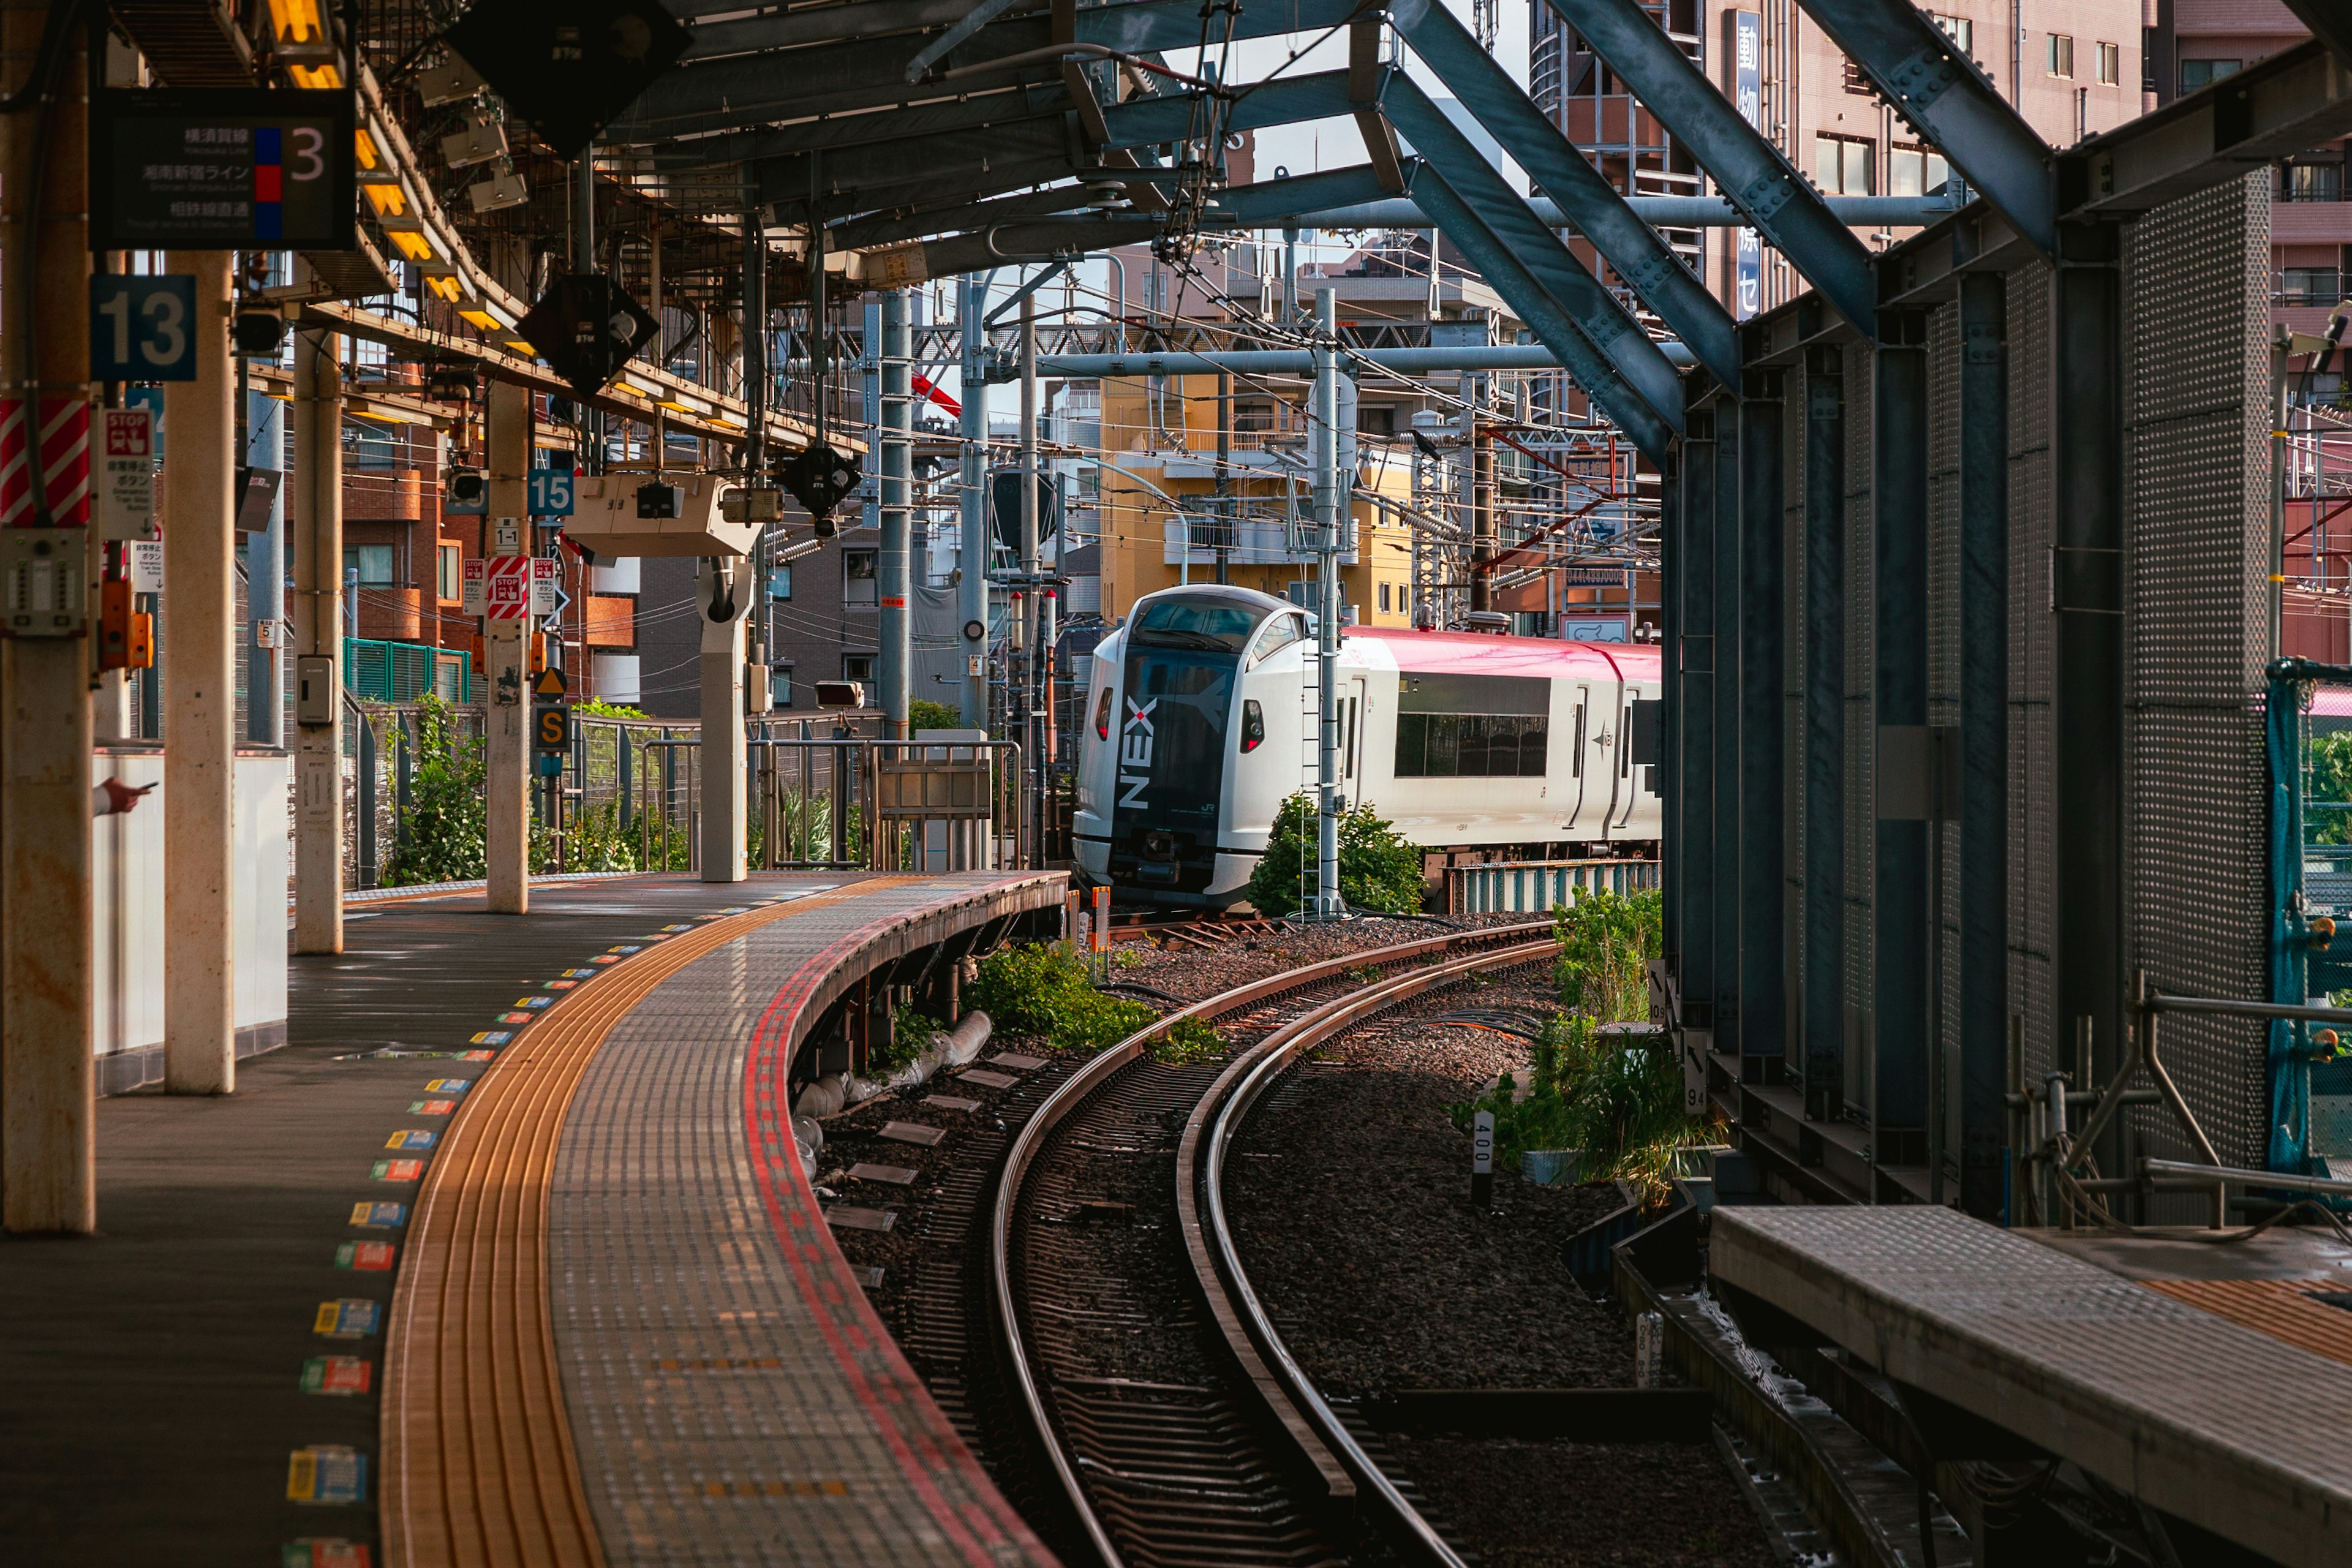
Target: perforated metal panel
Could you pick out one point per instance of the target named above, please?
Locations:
(2032, 744)
(2198, 302)
(1944, 661)
(1861, 721)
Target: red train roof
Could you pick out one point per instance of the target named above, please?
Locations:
(1485, 654)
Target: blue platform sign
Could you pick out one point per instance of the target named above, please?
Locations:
(142, 328)
(550, 492)
(1747, 93)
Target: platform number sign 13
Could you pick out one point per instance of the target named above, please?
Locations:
(550, 492)
(142, 328)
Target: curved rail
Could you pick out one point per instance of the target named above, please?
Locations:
(1020, 1370)
(1246, 1324)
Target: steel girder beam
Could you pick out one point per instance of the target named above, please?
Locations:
(1983, 1077)
(1588, 202)
(848, 175)
(2329, 22)
(925, 186)
(1821, 917)
(867, 20)
(1780, 203)
(1730, 863)
(1243, 206)
(2297, 99)
(977, 113)
(1903, 1032)
(859, 72)
(1939, 90)
(1596, 313)
(908, 220)
(1495, 262)
(1765, 938)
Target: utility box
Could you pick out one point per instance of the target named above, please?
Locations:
(314, 689)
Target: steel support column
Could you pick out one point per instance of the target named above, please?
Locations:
(1729, 592)
(318, 642)
(1765, 938)
(2087, 598)
(1693, 588)
(892, 480)
(1822, 1001)
(1982, 1077)
(1902, 1027)
(972, 562)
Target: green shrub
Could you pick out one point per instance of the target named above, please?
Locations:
(596, 842)
(597, 707)
(924, 714)
(1605, 943)
(445, 835)
(1379, 871)
(1040, 990)
(911, 1032)
(1618, 1099)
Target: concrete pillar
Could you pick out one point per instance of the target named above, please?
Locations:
(506, 656)
(47, 1078)
(727, 586)
(317, 644)
(200, 671)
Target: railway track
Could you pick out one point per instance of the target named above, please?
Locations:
(1166, 1422)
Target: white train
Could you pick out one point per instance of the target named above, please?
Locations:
(1201, 721)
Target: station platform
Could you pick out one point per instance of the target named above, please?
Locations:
(506, 1257)
(2210, 1380)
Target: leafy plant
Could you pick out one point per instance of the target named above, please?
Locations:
(1379, 870)
(924, 714)
(2328, 780)
(1618, 1099)
(446, 835)
(1605, 943)
(596, 841)
(597, 707)
(911, 1031)
(1187, 1040)
(1040, 990)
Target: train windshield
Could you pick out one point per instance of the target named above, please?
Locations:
(1208, 621)
(1172, 736)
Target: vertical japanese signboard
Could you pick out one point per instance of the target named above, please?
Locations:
(1747, 93)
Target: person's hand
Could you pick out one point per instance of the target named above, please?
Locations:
(114, 798)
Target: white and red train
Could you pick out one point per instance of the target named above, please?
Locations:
(1201, 718)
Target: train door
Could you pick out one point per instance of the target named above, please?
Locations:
(1579, 723)
(1623, 793)
(1351, 734)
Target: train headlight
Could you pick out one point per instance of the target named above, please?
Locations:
(1252, 726)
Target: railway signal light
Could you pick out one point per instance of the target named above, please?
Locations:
(586, 327)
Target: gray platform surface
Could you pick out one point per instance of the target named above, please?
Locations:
(2218, 1424)
(733, 1399)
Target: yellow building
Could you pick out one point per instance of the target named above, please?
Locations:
(1159, 473)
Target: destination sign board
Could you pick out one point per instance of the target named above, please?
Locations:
(227, 169)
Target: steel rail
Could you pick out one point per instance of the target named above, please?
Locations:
(1243, 1318)
(1020, 1370)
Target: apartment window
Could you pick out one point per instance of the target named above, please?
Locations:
(371, 561)
(1375, 419)
(1916, 171)
(780, 685)
(2199, 74)
(1384, 598)
(779, 580)
(2059, 56)
(1249, 417)
(1845, 165)
(2312, 183)
(858, 666)
(1961, 31)
(449, 581)
(2110, 65)
(858, 582)
(2311, 286)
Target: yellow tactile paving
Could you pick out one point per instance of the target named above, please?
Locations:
(479, 1466)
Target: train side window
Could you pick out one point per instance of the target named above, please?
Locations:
(1280, 632)
(1535, 736)
(1576, 758)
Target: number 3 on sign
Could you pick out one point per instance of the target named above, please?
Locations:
(138, 327)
